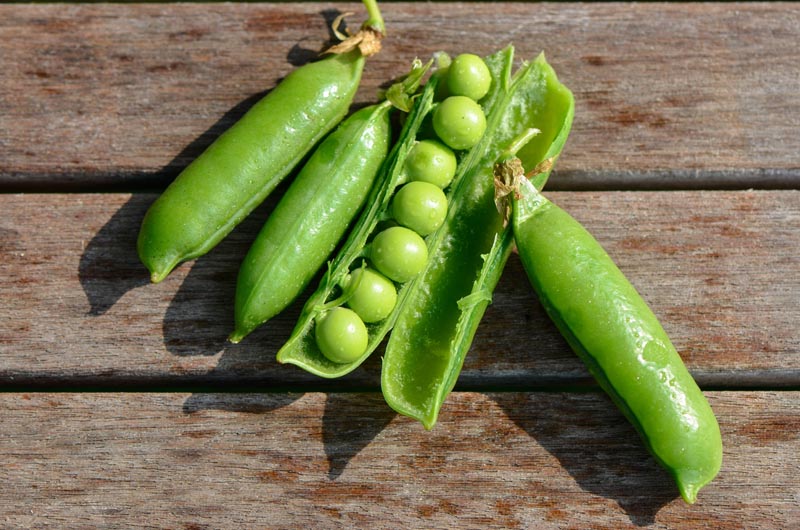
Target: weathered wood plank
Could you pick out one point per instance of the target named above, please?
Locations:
(668, 95)
(721, 269)
(507, 460)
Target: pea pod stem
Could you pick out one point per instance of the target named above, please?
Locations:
(375, 20)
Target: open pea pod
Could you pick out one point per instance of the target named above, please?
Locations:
(434, 327)
(301, 349)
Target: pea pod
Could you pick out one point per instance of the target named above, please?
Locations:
(311, 217)
(241, 167)
(611, 328)
(435, 327)
(301, 348)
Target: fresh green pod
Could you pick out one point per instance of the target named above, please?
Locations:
(301, 349)
(611, 328)
(311, 217)
(241, 167)
(434, 328)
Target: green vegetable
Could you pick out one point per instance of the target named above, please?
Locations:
(616, 334)
(311, 218)
(236, 172)
(431, 161)
(341, 335)
(459, 122)
(469, 76)
(434, 327)
(398, 253)
(371, 295)
(420, 206)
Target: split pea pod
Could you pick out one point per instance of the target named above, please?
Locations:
(240, 168)
(302, 348)
(311, 217)
(434, 328)
(611, 328)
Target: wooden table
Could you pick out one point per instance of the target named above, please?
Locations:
(124, 406)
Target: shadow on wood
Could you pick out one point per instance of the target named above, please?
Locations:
(344, 441)
(351, 421)
(109, 266)
(604, 454)
(200, 315)
(298, 56)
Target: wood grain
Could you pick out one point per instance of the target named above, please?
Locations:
(502, 460)
(677, 95)
(113, 99)
(721, 270)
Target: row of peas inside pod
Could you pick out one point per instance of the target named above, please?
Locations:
(439, 301)
(398, 253)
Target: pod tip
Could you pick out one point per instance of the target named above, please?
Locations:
(688, 492)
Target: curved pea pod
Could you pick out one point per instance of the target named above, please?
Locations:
(311, 217)
(611, 328)
(435, 327)
(240, 168)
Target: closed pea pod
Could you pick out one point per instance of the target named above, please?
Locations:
(611, 328)
(311, 217)
(241, 167)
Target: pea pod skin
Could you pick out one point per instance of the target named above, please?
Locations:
(311, 217)
(435, 327)
(612, 329)
(241, 167)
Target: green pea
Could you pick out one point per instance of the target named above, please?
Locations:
(373, 297)
(341, 335)
(459, 122)
(399, 253)
(240, 168)
(612, 329)
(469, 76)
(311, 218)
(420, 206)
(431, 161)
